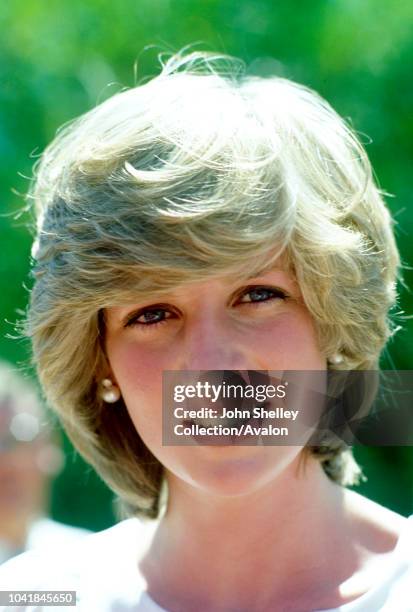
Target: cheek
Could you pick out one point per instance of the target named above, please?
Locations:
(138, 373)
(135, 368)
(289, 343)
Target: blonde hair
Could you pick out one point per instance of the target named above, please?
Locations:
(181, 178)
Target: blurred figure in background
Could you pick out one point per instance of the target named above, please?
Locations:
(30, 456)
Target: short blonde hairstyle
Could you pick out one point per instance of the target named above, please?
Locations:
(201, 170)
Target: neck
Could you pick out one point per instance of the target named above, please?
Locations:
(228, 545)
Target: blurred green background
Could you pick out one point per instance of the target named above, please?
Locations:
(59, 59)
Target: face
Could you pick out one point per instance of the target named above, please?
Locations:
(219, 324)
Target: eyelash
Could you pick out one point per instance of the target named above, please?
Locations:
(276, 293)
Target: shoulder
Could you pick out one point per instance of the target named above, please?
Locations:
(46, 533)
(95, 564)
(394, 578)
(376, 527)
(386, 538)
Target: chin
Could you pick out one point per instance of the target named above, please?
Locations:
(230, 471)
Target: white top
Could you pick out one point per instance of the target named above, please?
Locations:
(43, 533)
(102, 569)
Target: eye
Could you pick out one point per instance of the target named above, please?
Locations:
(259, 294)
(149, 317)
(158, 314)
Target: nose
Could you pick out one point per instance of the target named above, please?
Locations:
(212, 343)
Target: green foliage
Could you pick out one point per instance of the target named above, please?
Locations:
(58, 59)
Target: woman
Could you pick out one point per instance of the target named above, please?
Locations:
(212, 221)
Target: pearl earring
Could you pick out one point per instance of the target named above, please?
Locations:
(110, 392)
(336, 358)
